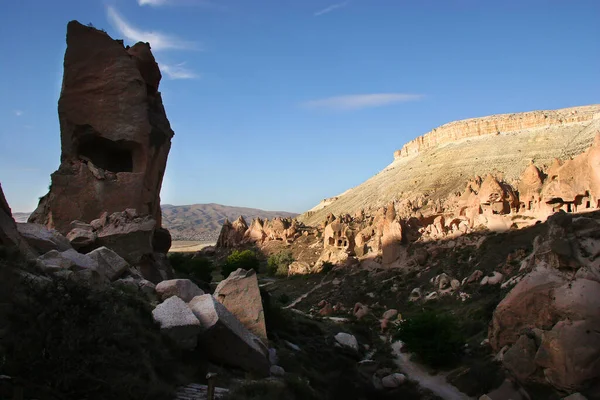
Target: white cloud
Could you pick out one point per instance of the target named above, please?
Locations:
(359, 101)
(18, 113)
(177, 71)
(158, 41)
(326, 10)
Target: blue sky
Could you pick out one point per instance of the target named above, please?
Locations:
(277, 104)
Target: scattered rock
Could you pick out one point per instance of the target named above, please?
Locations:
(185, 289)
(178, 322)
(42, 239)
(299, 268)
(390, 314)
(347, 340)
(360, 311)
(110, 264)
(82, 235)
(393, 380)
(276, 370)
(415, 294)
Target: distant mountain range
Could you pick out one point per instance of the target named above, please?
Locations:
(202, 222)
(199, 222)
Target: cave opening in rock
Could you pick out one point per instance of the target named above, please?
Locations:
(107, 154)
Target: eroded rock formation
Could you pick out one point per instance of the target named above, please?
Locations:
(115, 136)
(496, 125)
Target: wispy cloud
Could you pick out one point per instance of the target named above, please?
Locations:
(18, 113)
(158, 41)
(177, 71)
(359, 101)
(329, 9)
(160, 3)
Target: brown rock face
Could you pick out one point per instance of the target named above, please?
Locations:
(241, 295)
(115, 136)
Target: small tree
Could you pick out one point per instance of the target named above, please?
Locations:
(435, 338)
(279, 264)
(240, 259)
(196, 267)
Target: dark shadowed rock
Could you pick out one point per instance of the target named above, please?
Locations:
(225, 339)
(42, 239)
(9, 235)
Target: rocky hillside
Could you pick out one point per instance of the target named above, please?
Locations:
(202, 222)
(441, 162)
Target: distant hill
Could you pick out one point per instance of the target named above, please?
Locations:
(21, 216)
(199, 222)
(202, 222)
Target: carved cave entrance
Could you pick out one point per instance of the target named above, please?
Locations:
(110, 155)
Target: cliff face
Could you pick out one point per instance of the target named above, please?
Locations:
(115, 136)
(498, 124)
(439, 164)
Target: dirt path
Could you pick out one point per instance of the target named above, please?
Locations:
(436, 383)
(305, 295)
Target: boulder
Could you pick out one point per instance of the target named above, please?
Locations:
(110, 264)
(393, 380)
(69, 259)
(82, 235)
(240, 294)
(127, 235)
(178, 322)
(389, 314)
(185, 289)
(299, 268)
(520, 358)
(276, 370)
(161, 241)
(42, 239)
(115, 136)
(570, 354)
(226, 340)
(360, 311)
(346, 340)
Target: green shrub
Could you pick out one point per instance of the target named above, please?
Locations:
(327, 266)
(278, 264)
(435, 338)
(240, 259)
(291, 388)
(66, 341)
(195, 267)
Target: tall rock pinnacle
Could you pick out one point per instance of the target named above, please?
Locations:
(115, 135)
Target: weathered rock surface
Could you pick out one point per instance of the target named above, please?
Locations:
(550, 318)
(42, 239)
(232, 234)
(178, 322)
(240, 294)
(110, 264)
(127, 234)
(185, 289)
(68, 259)
(225, 339)
(115, 136)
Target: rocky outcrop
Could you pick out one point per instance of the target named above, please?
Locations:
(9, 235)
(496, 125)
(431, 181)
(115, 136)
(550, 318)
(241, 295)
(232, 234)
